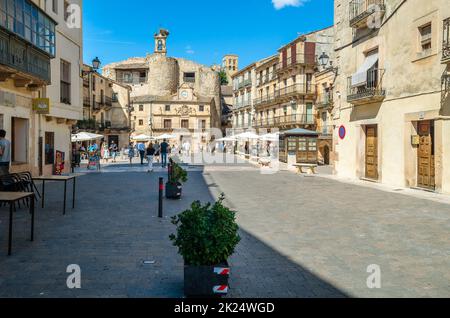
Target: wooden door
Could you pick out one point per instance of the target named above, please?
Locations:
(426, 169)
(372, 152)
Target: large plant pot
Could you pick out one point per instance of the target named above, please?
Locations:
(206, 281)
(173, 191)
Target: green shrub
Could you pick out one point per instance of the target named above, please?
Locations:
(178, 174)
(206, 234)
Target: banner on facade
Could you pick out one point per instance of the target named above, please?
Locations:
(59, 163)
(41, 105)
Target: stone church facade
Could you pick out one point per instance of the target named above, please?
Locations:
(168, 93)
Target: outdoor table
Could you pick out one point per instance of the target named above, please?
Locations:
(59, 179)
(11, 198)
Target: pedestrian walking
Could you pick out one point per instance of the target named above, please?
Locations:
(5, 153)
(141, 149)
(150, 155)
(131, 153)
(157, 147)
(113, 150)
(164, 151)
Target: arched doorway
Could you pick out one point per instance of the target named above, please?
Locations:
(326, 155)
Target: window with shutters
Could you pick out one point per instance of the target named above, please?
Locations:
(65, 82)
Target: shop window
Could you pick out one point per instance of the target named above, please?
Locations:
(49, 148)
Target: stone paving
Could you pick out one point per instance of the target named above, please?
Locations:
(301, 237)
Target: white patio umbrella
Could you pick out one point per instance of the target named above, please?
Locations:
(166, 136)
(247, 135)
(227, 139)
(85, 136)
(270, 137)
(142, 138)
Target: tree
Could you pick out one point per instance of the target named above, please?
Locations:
(223, 78)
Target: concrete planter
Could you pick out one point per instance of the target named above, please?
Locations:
(173, 191)
(206, 281)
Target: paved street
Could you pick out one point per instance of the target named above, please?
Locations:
(301, 237)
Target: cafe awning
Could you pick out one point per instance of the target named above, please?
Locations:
(360, 77)
(300, 132)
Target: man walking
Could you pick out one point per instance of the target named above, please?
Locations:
(141, 149)
(113, 150)
(5, 153)
(164, 149)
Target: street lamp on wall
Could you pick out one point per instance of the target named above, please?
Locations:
(324, 59)
(96, 63)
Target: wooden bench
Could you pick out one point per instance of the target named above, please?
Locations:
(311, 167)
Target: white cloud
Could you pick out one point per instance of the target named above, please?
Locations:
(189, 50)
(280, 4)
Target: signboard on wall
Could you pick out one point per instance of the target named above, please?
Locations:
(41, 105)
(59, 162)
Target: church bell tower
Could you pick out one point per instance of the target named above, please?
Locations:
(161, 42)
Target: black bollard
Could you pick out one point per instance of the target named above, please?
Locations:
(160, 204)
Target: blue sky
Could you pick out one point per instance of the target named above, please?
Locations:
(201, 30)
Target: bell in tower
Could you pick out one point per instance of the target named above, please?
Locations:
(161, 41)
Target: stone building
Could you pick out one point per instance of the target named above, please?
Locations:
(106, 108)
(392, 92)
(284, 90)
(244, 91)
(169, 93)
(40, 95)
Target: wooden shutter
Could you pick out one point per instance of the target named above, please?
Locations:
(310, 53)
(294, 53)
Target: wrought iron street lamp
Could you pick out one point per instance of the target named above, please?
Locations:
(324, 59)
(96, 63)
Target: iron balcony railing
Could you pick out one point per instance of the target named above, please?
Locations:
(296, 89)
(372, 90)
(298, 59)
(267, 99)
(324, 100)
(361, 10)
(96, 105)
(287, 120)
(446, 41)
(108, 101)
(136, 80)
(86, 101)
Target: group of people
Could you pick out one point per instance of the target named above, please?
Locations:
(152, 151)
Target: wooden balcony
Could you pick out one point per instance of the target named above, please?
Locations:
(370, 92)
(362, 10)
(446, 42)
(21, 61)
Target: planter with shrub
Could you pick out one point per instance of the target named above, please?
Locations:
(206, 237)
(177, 176)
